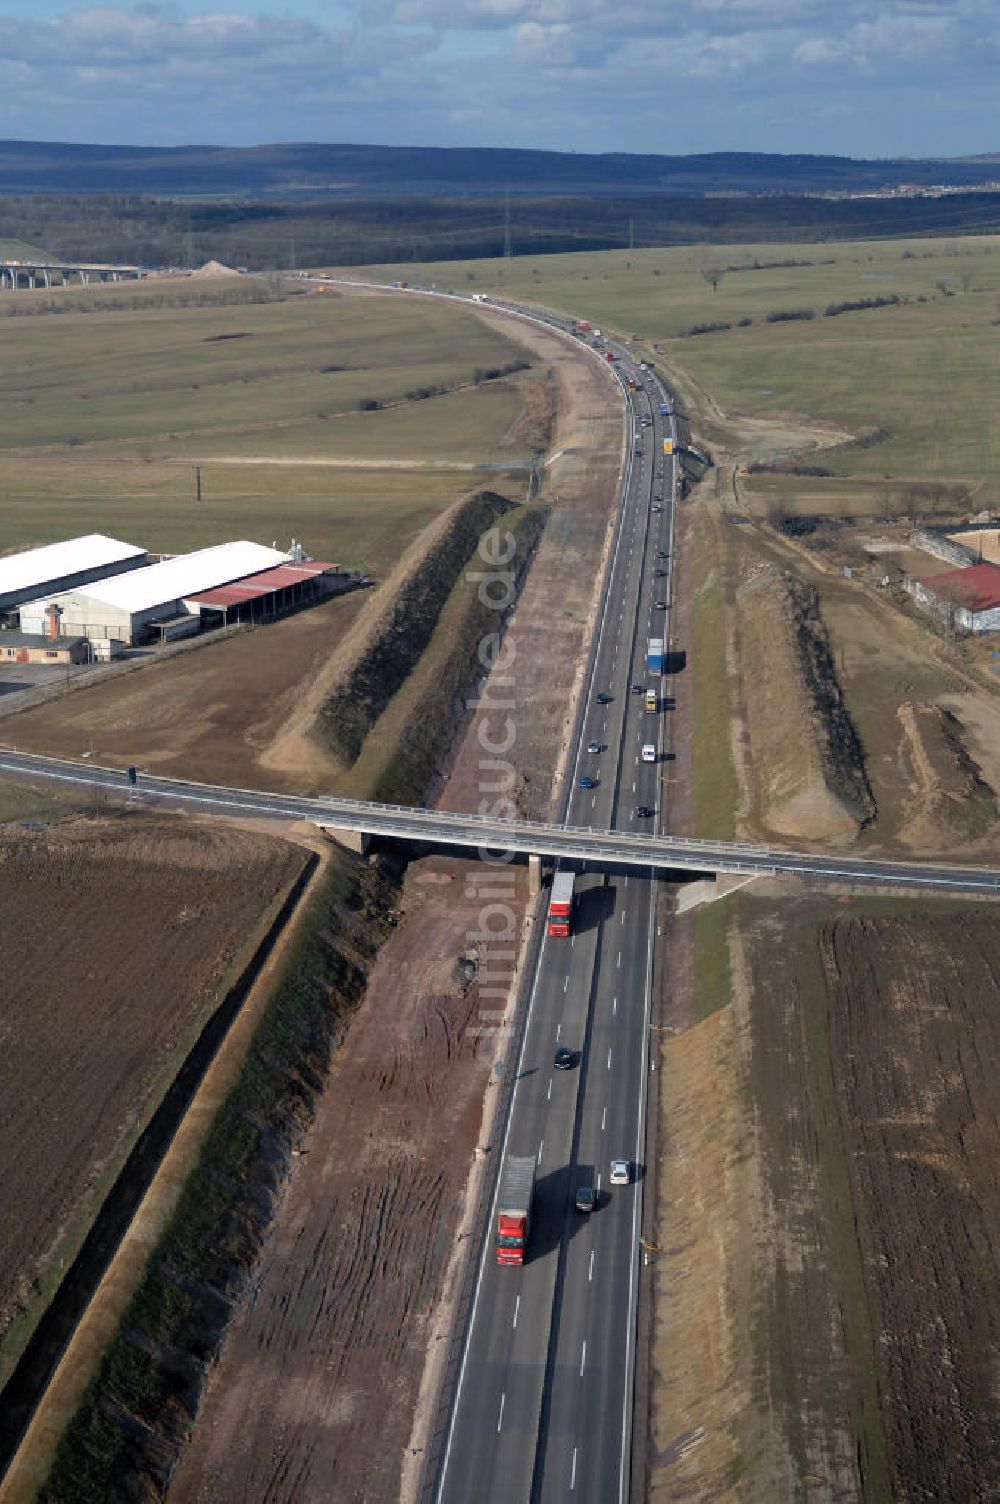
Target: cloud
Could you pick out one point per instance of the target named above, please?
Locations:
(695, 74)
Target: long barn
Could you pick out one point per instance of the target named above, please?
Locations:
(149, 602)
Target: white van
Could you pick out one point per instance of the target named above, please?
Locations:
(648, 752)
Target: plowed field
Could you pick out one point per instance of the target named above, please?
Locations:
(876, 1069)
(116, 937)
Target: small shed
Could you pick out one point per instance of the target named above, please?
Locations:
(36, 647)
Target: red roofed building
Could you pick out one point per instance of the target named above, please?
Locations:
(965, 598)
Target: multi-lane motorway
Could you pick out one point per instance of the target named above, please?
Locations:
(541, 1407)
(543, 1399)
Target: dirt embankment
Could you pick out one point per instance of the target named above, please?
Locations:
(124, 1440)
(386, 648)
(807, 762)
(313, 1397)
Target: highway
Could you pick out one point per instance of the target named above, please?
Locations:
(543, 1400)
(542, 1404)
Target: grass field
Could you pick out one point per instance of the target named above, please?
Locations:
(106, 413)
(925, 371)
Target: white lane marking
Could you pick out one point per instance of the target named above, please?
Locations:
(609, 1060)
(619, 958)
(572, 1471)
(623, 916)
(583, 1357)
(548, 1094)
(590, 1276)
(626, 879)
(517, 1307)
(566, 985)
(598, 1187)
(558, 1030)
(633, 785)
(614, 1005)
(604, 1119)
(593, 802)
(500, 1416)
(541, 1146)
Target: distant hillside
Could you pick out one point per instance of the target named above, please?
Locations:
(157, 231)
(308, 171)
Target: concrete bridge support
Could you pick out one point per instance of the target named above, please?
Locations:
(711, 889)
(351, 840)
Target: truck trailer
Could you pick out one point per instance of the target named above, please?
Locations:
(664, 409)
(655, 656)
(561, 906)
(514, 1208)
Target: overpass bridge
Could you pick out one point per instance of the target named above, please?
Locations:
(17, 275)
(356, 823)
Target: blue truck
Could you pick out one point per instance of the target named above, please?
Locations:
(664, 409)
(655, 657)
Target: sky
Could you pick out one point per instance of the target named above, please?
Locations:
(859, 77)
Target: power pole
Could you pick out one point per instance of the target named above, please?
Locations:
(508, 249)
(197, 483)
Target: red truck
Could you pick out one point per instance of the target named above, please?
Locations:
(561, 906)
(514, 1209)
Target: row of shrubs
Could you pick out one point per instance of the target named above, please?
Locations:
(480, 375)
(792, 315)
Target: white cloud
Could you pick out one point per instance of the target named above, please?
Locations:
(531, 72)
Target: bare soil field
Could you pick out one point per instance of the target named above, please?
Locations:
(320, 1370)
(828, 1322)
(912, 720)
(117, 937)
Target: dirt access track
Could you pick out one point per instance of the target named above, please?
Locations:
(315, 1394)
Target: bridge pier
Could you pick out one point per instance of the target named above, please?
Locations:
(711, 889)
(357, 841)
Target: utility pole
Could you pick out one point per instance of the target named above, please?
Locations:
(189, 243)
(508, 249)
(197, 483)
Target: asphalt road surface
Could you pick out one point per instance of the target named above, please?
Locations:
(543, 1402)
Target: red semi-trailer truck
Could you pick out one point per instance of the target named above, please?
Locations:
(561, 905)
(514, 1209)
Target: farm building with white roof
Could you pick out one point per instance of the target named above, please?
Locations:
(63, 566)
(134, 607)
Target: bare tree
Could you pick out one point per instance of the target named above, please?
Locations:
(712, 275)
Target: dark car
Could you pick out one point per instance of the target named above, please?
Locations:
(588, 783)
(563, 1060)
(658, 496)
(659, 573)
(659, 605)
(586, 1198)
(603, 698)
(637, 689)
(641, 812)
(594, 747)
(655, 509)
(661, 553)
